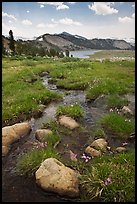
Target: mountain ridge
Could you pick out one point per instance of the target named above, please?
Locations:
(66, 41)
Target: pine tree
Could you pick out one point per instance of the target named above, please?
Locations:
(11, 43)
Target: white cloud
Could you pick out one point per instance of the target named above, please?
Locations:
(41, 6)
(58, 5)
(133, 5)
(69, 21)
(63, 6)
(26, 22)
(9, 16)
(133, 15)
(41, 25)
(103, 8)
(10, 21)
(125, 19)
(28, 11)
(71, 2)
(66, 21)
(51, 25)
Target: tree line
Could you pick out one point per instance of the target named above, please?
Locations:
(21, 47)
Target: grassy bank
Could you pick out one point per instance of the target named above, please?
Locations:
(107, 54)
(23, 92)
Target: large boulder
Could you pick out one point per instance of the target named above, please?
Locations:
(68, 122)
(92, 152)
(100, 144)
(12, 133)
(54, 176)
(42, 134)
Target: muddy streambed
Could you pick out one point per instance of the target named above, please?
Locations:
(23, 189)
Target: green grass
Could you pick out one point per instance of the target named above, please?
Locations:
(106, 86)
(120, 168)
(22, 90)
(75, 111)
(118, 125)
(19, 95)
(28, 163)
(115, 100)
(107, 54)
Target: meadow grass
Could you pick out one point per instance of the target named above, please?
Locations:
(119, 169)
(75, 111)
(118, 125)
(112, 53)
(22, 90)
(115, 100)
(30, 161)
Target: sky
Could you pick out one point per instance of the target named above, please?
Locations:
(87, 19)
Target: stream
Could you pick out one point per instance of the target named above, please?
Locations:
(23, 189)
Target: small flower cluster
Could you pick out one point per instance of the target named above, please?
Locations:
(124, 143)
(86, 158)
(42, 145)
(107, 181)
(116, 109)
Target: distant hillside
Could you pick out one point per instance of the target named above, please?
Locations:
(64, 41)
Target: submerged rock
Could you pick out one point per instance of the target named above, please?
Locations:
(92, 152)
(54, 176)
(12, 133)
(100, 144)
(120, 149)
(68, 122)
(42, 134)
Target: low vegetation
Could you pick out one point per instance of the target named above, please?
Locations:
(109, 178)
(118, 125)
(75, 111)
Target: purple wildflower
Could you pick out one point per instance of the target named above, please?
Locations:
(124, 143)
(107, 181)
(87, 158)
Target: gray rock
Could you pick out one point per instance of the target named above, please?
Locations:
(53, 176)
(12, 133)
(120, 149)
(100, 144)
(42, 134)
(68, 122)
(92, 152)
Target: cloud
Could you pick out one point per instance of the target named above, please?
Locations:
(28, 11)
(9, 16)
(133, 5)
(103, 8)
(133, 15)
(71, 2)
(127, 19)
(58, 5)
(66, 21)
(41, 6)
(26, 22)
(41, 25)
(63, 6)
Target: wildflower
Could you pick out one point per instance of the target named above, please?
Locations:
(107, 181)
(73, 156)
(87, 158)
(124, 143)
(111, 110)
(129, 120)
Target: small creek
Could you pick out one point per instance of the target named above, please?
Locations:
(22, 189)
